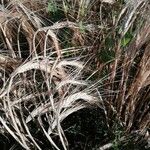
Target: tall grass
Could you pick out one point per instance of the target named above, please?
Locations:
(58, 57)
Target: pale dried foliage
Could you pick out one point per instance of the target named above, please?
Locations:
(38, 84)
(131, 70)
(130, 73)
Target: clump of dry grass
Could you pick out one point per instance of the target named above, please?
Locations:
(41, 71)
(129, 71)
(42, 88)
(38, 83)
(133, 65)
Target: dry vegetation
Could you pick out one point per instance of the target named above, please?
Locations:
(58, 57)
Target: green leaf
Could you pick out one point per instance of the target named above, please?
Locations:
(52, 7)
(126, 39)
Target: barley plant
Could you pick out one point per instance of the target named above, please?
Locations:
(74, 74)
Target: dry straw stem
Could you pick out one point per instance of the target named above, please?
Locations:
(132, 102)
(61, 106)
(142, 77)
(109, 1)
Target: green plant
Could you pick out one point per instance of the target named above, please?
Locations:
(52, 6)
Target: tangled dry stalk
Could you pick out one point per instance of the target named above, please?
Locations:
(37, 81)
